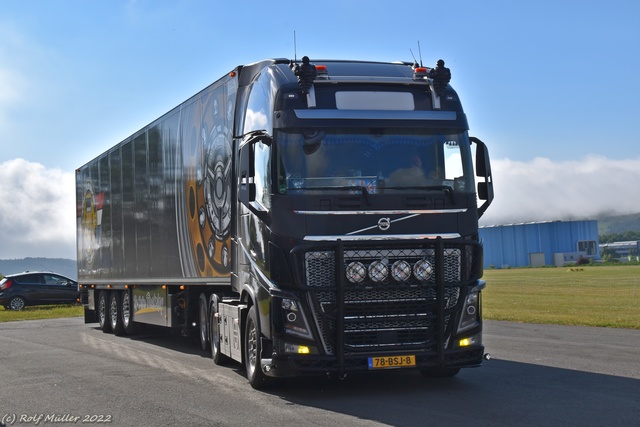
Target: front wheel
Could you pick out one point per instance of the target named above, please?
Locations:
(253, 350)
(16, 304)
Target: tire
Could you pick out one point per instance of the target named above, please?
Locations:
(115, 308)
(440, 372)
(16, 303)
(203, 322)
(252, 351)
(103, 311)
(126, 313)
(214, 328)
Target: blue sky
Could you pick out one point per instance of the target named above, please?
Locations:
(551, 86)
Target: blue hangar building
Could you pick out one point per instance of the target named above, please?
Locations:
(538, 244)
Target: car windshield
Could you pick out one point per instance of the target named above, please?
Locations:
(374, 160)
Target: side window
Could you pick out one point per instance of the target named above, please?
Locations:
(259, 106)
(50, 279)
(262, 177)
(29, 278)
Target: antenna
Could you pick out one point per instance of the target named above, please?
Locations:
(295, 48)
(420, 53)
(415, 61)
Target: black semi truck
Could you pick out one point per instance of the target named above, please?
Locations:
(301, 218)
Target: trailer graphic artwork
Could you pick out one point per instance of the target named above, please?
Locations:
(206, 202)
(91, 222)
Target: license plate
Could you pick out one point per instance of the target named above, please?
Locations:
(387, 362)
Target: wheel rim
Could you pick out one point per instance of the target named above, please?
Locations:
(17, 304)
(102, 310)
(114, 311)
(215, 333)
(252, 347)
(126, 309)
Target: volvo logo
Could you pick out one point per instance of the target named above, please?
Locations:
(384, 224)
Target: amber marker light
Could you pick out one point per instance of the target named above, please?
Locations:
(182, 287)
(232, 74)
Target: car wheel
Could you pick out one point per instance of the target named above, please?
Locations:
(214, 328)
(126, 313)
(204, 324)
(115, 308)
(16, 303)
(252, 352)
(103, 311)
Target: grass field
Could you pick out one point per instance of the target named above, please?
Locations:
(41, 312)
(590, 296)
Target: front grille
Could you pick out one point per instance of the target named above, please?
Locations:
(382, 311)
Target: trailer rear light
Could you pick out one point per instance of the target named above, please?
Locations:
(6, 284)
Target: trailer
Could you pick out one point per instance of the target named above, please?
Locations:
(313, 217)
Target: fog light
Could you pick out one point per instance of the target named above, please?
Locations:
(299, 349)
(423, 270)
(378, 271)
(401, 270)
(356, 272)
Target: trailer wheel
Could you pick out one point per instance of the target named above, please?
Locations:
(214, 328)
(253, 350)
(103, 311)
(440, 372)
(126, 313)
(115, 308)
(204, 323)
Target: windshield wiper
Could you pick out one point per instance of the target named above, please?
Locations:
(446, 188)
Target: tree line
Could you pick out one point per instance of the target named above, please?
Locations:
(619, 237)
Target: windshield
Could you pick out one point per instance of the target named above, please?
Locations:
(372, 160)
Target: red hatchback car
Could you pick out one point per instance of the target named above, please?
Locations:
(37, 288)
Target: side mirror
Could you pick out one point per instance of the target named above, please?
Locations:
(247, 170)
(483, 170)
(247, 188)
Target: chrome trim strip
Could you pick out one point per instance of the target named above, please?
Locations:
(377, 225)
(391, 212)
(375, 114)
(352, 238)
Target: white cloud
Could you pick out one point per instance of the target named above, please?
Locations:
(37, 211)
(37, 204)
(542, 189)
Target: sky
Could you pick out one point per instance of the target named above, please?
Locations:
(552, 87)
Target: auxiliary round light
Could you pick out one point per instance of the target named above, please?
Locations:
(401, 271)
(378, 271)
(356, 272)
(423, 270)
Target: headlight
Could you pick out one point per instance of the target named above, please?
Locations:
(469, 318)
(295, 322)
(401, 271)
